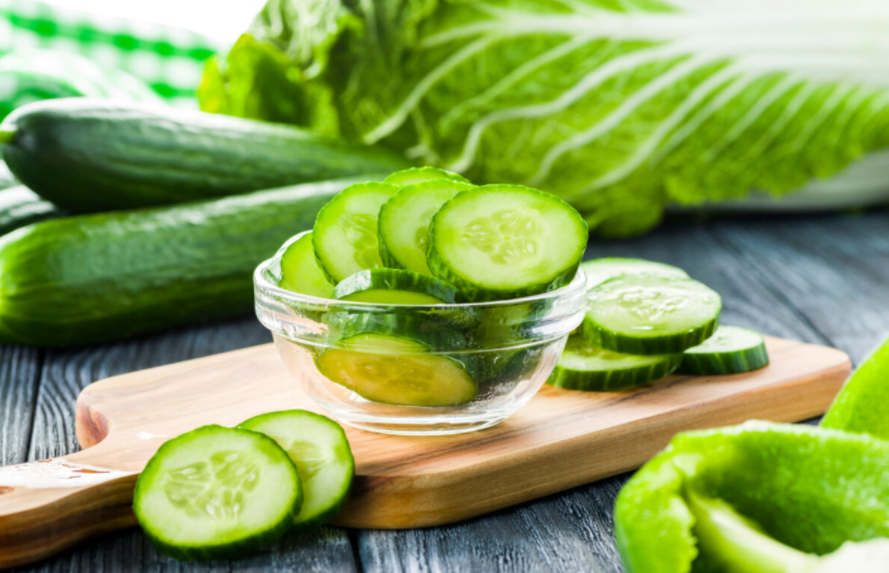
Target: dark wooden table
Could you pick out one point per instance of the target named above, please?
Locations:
(818, 278)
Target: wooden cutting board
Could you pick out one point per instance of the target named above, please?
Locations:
(561, 439)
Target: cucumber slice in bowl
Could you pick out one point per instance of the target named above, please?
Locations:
(584, 366)
(345, 232)
(405, 218)
(217, 493)
(395, 286)
(420, 174)
(731, 350)
(600, 270)
(499, 242)
(320, 450)
(395, 370)
(300, 272)
(651, 314)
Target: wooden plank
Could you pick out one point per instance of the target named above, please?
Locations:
(66, 373)
(833, 270)
(19, 376)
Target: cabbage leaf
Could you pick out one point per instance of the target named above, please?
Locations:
(619, 106)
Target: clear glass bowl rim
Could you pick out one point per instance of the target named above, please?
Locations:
(267, 288)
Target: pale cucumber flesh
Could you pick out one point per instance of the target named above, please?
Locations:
(300, 272)
(731, 350)
(320, 450)
(345, 232)
(600, 270)
(393, 370)
(505, 241)
(217, 492)
(420, 174)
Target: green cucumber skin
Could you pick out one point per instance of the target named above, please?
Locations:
(19, 206)
(475, 293)
(90, 155)
(93, 278)
(608, 381)
(674, 344)
(724, 362)
(396, 279)
(230, 550)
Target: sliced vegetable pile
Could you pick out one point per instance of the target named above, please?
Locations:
(431, 233)
(647, 320)
(217, 492)
(428, 237)
(769, 498)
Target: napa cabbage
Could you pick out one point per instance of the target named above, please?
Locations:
(619, 106)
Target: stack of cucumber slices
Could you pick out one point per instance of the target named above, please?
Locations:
(428, 237)
(646, 320)
(218, 493)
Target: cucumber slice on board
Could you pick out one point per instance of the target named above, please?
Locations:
(405, 218)
(651, 314)
(319, 448)
(584, 366)
(420, 174)
(498, 242)
(395, 286)
(345, 232)
(600, 270)
(217, 493)
(300, 272)
(394, 370)
(731, 350)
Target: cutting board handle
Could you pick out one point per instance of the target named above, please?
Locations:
(49, 505)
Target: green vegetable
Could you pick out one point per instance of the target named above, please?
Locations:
(395, 286)
(499, 242)
(651, 314)
(619, 107)
(300, 271)
(217, 493)
(19, 206)
(584, 366)
(863, 404)
(404, 222)
(731, 350)
(345, 232)
(397, 370)
(809, 489)
(598, 271)
(7, 180)
(416, 175)
(88, 155)
(320, 450)
(92, 278)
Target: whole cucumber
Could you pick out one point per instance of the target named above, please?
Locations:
(94, 278)
(19, 206)
(91, 155)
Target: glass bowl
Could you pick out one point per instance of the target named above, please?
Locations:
(418, 370)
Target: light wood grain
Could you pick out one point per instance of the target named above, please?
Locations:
(560, 440)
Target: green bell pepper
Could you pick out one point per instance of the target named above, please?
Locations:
(768, 498)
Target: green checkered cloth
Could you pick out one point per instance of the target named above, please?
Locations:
(50, 51)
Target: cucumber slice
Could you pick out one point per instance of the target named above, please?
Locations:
(319, 448)
(651, 314)
(300, 272)
(420, 174)
(731, 350)
(405, 218)
(585, 366)
(498, 242)
(395, 286)
(345, 232)
(217, 493)
(394, 370)
(600, 270)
